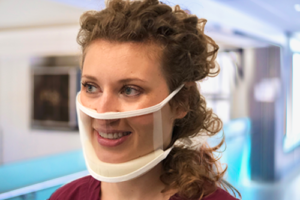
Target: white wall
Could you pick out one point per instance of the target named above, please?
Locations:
(16, 49)
(228, 19)
(36, 13)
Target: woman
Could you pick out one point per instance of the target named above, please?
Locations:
(139, 106)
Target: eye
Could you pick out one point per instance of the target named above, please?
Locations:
(131, 91)
(89, 88)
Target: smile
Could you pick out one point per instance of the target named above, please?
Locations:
(113, 136)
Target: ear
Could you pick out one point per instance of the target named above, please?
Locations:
(180, 112)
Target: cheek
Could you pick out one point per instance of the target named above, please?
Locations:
(84, 100)
(143, 125)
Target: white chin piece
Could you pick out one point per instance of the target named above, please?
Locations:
(151, 123)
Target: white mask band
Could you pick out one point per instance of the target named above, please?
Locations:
(126, 114)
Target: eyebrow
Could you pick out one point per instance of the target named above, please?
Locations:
(127, 80)
(89, 77)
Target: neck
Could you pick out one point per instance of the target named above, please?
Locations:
(147, 186)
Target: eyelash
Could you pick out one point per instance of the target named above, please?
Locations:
(123, 88)
(85, 85)
(135, 88)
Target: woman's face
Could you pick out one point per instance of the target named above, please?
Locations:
(120, 77)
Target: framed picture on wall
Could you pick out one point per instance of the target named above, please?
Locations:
(53, 97)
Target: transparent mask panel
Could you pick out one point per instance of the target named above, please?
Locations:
(115, 145)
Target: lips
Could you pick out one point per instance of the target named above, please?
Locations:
(112, 138)
(115, 135)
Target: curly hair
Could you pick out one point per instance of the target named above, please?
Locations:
(187, 56)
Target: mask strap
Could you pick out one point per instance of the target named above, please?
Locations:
(157, 131)
(126, 114)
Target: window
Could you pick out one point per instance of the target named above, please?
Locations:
(293, 118)
(217, 90)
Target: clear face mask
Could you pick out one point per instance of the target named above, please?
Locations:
(120, 146)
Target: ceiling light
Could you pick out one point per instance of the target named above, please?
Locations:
(297, 7)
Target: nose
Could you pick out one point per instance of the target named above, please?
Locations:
(105, 124)
(107, 102)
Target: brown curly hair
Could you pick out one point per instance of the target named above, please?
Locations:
(187, 56)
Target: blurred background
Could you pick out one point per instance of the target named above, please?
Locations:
(256, 94)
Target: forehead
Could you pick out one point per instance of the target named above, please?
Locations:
(104, 58)
(150, 50)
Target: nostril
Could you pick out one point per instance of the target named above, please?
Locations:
(107, 123)
(112, 121)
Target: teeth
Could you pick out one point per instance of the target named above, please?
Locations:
(105, 135)
(113, 135)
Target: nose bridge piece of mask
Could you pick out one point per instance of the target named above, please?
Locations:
(118, 172)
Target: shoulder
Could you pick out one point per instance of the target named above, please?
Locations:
(220, 194)
(78, 189)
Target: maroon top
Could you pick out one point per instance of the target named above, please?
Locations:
(88, 188)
